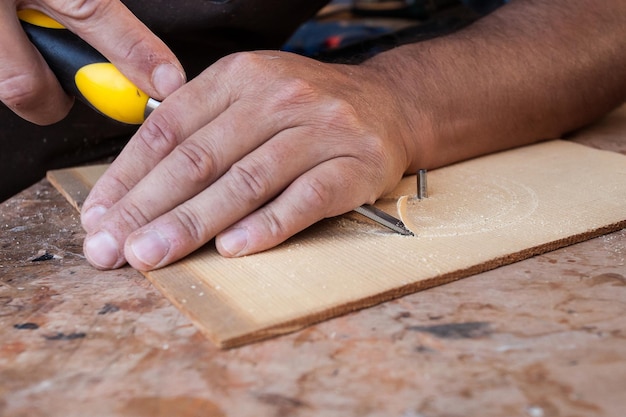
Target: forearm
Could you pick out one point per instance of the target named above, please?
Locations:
(532, 70)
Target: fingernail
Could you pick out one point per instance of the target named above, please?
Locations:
(91, 217)
(166, 78)
(102, 250)
(234, 241)
(150, 247)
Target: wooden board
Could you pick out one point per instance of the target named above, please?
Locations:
(480, 214)
(75, 183)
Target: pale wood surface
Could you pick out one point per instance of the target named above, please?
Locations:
(540, 337)
(481, 214)
(75, 183)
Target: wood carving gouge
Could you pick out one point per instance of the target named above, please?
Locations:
(84, 73)
(383, 219)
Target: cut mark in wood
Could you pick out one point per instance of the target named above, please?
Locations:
(479, 204)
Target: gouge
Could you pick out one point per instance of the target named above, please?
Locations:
(384, 219)
(84, 72)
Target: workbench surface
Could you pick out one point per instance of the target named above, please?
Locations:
(543, 337)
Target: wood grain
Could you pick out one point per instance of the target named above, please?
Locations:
(480, 214)
(75, 183)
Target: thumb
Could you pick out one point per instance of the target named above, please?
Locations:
(124, 40)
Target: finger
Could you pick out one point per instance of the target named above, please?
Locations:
(328, 190)
(191, 107)
(123, 39)
(169, 125)
(186, 111)
(247, 185)
(27, 86)
(189, 169)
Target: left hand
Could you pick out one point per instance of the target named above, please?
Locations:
(30, 89)
(258, 147)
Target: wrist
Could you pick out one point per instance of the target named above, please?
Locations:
(410, 105)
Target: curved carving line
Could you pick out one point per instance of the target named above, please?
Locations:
(502, 203)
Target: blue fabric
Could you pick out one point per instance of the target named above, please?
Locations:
(315, 37)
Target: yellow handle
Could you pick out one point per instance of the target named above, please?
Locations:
(111, 93)
(83, 71)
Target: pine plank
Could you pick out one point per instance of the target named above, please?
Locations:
(75, 183)
(480, 214)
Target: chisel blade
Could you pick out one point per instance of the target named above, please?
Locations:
(383, 219)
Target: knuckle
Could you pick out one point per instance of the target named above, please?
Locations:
(249, 182)
(287, 90)
(296, 91)
(239, 68)
(315, 195)
(118, 181)
(371, 164)
(99, 193)
(133, 215)
(340, 114)
(239, 62)
(19, 90)
(275, 228)
(193, 226)
(81, 10)
(374, 150)
(130, 45)
(294, 94)
(197, 162)
(158, 135)
(133, 47)
(234, 69)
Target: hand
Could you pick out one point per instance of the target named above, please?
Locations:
(258, 147)
(30, 89)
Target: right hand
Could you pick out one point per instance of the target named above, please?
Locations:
(29, 88)
(256, 148)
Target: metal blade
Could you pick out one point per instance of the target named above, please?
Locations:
(383, 219)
